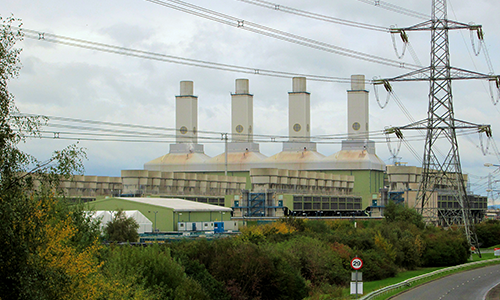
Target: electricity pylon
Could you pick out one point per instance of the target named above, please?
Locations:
(441, 171)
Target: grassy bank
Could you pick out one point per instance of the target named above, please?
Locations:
(371, 286)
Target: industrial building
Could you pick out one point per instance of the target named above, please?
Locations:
(356, 164)
(299, 180)
(403, 185)
(170, 215)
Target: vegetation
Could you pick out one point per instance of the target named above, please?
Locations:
(488, 233)
(48, 250)
(122, 229)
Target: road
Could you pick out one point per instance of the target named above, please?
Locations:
(470, 285)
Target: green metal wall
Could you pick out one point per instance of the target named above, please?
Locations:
(166, 218)
(367, 183)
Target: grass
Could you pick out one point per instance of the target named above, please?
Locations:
(371, 286)
(420, 282)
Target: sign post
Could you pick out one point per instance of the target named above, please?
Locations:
(356, 288)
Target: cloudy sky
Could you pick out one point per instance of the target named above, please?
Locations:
(65, 81)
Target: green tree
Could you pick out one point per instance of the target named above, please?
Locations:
(39, 258)
(488, 233)
(122, 229)
(400, 213)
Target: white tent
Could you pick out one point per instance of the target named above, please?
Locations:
(145, 225)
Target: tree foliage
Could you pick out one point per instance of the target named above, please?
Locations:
(488, 233)
(400, 213)
(122, 229)
(47, 250)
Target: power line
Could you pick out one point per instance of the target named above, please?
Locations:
(398, 9)
(303, 13)
(101, 131)
(278, 34)
(68, 41)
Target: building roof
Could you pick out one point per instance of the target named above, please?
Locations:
(178, 205)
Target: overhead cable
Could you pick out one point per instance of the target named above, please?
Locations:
(303, 13)
(91, 130)
(58, 39)
(398, 9)
(278, 34)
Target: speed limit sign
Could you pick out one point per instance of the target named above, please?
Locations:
(356, 263)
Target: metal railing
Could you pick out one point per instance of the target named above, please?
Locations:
(408, 282)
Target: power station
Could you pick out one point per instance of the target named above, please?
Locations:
(298, 181)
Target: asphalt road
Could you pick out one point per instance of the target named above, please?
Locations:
(468, 285)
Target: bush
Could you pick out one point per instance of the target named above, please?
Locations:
(488, 233)
(122, 229)
(377, 265)
(247, 270)
(399, 213)
(315, 260)
(153, 269)
(445, 248)
(252, 272)
(195, 270)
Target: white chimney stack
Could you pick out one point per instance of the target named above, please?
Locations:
(299, 112)
(186, 119)
(358, 109)
(242, 112)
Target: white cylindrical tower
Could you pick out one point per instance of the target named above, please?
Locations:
(358, 109)
(299, 112)
(242, 112)
(186, 118)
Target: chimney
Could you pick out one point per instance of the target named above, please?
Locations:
(357, 109)
(186, 118)
(299, 128)
(242, 112)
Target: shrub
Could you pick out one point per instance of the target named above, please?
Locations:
(122, 229)
(246, 270)
(153, 269)
(488, 233)
(195, 270)
(251, 272)
(315, 260)
(377, 265)
(399, 213)
(445, 248)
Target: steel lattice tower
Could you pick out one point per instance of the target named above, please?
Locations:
(441, 170)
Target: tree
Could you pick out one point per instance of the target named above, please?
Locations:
(399, 213)
(38, 256)
(122, 229)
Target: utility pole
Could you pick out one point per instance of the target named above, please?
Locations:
(224, 137)
(441, 171)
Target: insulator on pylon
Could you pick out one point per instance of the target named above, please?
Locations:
(404, 38)
(494, 90)
(393, 151)
(480, 36)
(387, 86)
(378, 81)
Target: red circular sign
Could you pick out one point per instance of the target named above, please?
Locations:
(356, 263)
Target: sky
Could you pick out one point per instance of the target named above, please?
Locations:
(64, 81)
